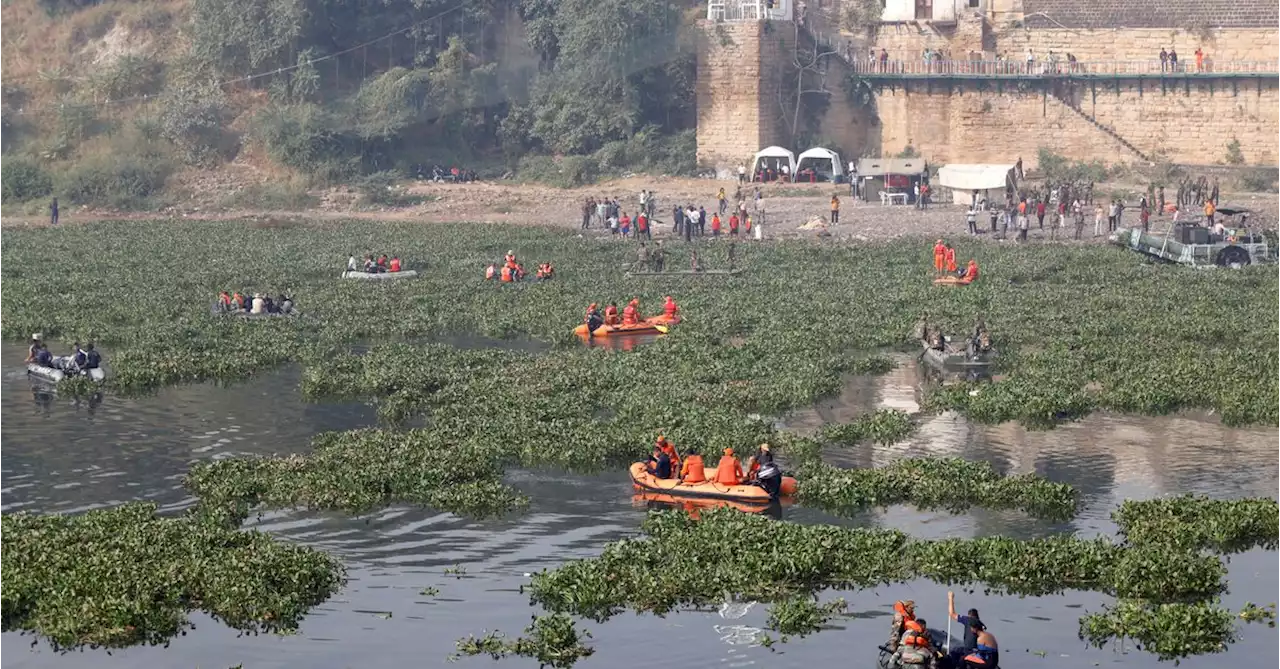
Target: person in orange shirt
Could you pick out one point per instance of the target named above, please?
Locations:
(1209, 211)
(939, 256)
(729, 471)
(631, 313)
(611, 314)
(693, 470)
(395, 265)
(669, 308)
(715, 225)
(970, 272)
(951, 260)
(733, 224)
(508, 274)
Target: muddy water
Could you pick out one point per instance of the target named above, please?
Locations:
(67, 456)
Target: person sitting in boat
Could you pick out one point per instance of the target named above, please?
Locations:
(659, 465)
(921, 330)
(611, 314)
(224, 301)
(593, 319)
(43, 357)
(268, 305)
(508, 274)
(352, 264)
(986, 653)
(903, 613)
(490, 272)
(238, 301)
(970, 272)
(665, 446)
(76, 361)
(916, 648)
(729, 471)
(765, 473)
(510, 258)
(693, 470)
(631, 314)
(394, 265)
(382, 263)
(545, 271)
(937, 340)
(286, 303)
(92, 358)
(34, 348)
(670, 308)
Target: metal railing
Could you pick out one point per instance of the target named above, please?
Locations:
(748, 10)
(863, 64)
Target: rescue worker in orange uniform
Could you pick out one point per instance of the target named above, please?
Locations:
(631, 313)
(395, 265)
(669, 308)
(508, 274)
(545, 271)
(693, 470)
(611, 314)
(729, 471)
(970, 272)
(916, 648)
(665, 446)
(939, 256)
(510, 258)
(490, 272)
(951, 260)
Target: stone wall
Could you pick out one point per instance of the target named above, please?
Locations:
(728, 92)
(971, 126)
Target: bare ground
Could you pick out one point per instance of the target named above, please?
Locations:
(787, 208)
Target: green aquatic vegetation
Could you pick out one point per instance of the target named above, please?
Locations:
(554, 641)
(358, 471)
(125, 576)
(885, 426)
(929, 483)
(803, 615)
(756, 558)
(1193, 523)
(78, 386)
(1252, 613)
(1169, 631)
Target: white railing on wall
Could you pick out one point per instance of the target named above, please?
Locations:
(862, 63)
(749, 10)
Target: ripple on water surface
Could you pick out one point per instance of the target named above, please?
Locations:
(62, 455)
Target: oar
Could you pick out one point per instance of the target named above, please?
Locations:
(661, 328)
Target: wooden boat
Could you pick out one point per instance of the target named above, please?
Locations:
(54, 374)
(952, 281)
(688, 272)
(381, 276)
(217, 310)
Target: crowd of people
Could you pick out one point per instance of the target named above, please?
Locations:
(80, 359)
(439, 174)
(372, 265)
(944, 263)
(257, 303)
(911, 644)
(729, 216)
(665, 463)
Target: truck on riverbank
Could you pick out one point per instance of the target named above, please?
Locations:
(1199, 246)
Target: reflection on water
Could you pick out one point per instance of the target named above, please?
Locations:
(64, 455)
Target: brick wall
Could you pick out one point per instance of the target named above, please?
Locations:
(1161, 14)
(1233, 44)
(971, 126)
(728, 92)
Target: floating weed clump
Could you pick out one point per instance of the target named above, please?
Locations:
(1170, 631)
(802, 615)
(756, 558)
(928, 483)
(358, 471)
(1193, 523)
(885, 426)
(554, 641)
(124, 576)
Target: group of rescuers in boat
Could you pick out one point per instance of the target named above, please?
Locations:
(514, 271)
(371, 266)
(666, 463)
(81, 359)
(977, 345)
(259, 303)
(911, 645)
(630, 314)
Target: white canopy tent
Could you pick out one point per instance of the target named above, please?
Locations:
(774, 156)
(964, 180)
(825, 164)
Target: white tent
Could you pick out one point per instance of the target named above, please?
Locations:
(825, 164)
(773, 156)
(988, 180)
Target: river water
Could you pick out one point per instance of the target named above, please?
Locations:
(66, 456)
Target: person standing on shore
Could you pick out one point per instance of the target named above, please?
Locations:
(53, 212)
(835, 210)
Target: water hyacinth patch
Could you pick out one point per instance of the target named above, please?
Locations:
(124, 576)
(1191, 522)
(885, 426)
(553, 640)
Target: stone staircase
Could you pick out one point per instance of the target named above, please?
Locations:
(1094, 122)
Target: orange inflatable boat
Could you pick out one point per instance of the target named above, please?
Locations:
(749, 494)
(952, 281)
(692, 505)
(643, 327)
(663, 320)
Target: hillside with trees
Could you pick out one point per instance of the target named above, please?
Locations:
(109, 103)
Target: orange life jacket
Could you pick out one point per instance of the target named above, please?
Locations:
(670, 308)
(972, 273)
(395, 264)
(729, 471)
(671, 454)
(693, 471)
(629, 316)
(915, 638)
(610, 315)
(939, 250)
(507, 274)
(489, 272)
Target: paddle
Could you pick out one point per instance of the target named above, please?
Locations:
(661, 328)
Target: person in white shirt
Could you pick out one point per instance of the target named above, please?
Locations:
(259, 305)
(352, 265)
(742, 173)
(786, 172)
